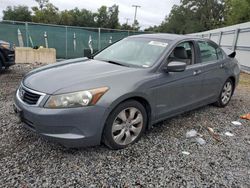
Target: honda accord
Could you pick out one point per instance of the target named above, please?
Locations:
(118, 93)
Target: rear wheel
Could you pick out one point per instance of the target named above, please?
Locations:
(226, 94)
(125, 125)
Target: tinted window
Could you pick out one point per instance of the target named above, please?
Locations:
(209, 51)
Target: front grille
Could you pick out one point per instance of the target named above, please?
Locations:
(28, 96)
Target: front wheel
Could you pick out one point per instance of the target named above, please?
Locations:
(226, 94)
(125, 125)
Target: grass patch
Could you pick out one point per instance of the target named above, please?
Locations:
(244, 80)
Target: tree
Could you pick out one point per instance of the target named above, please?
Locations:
(154, 28)
(42, 3)
(238, 11)
(102, 17)
(126, 26)
(17, 13)
(66, 18)
(108, 17)
(49, 14)
(113, 13)
(46, 12)
(136, 26)
(84, 18)
(194, 16)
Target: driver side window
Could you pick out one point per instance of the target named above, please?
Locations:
(183, 52)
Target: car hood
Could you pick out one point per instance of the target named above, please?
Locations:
(75, 76)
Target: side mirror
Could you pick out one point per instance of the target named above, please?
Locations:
(175, 66)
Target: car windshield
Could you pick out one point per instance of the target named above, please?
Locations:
(142, 52)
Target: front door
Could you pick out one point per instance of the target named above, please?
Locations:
(179, 91)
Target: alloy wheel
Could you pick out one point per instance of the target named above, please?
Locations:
(127, 126)
(226, 92)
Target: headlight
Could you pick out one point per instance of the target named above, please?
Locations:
(76, 99)
(5, 45)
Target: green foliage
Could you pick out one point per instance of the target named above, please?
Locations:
(46, 12)
(136, 26)
(113, 13)
(238, 11)
(17, 13)
(194, 16)
(200, 15)
(76, 17)
(108, 17)
(102, 16)
(42, 3)
(189, 17)
(126, 27)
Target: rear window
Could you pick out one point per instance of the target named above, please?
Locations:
(209, 52)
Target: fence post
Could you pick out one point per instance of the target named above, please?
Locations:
(27, 34)
(236, 34)
(209, 35)
(66, 42)
(219, 39)
(99, 39)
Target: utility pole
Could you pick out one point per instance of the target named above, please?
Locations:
(136, 6)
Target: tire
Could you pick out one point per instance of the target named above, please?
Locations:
(225, 94)
(125, 125)
(1, 62)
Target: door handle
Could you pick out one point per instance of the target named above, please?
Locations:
(196, 72)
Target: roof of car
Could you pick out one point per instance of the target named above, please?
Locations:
(164, 36)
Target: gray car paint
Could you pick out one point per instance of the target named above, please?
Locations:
(167, 94)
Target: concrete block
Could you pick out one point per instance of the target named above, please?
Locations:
(30, 55)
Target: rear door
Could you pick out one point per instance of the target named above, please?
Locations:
(213, 69)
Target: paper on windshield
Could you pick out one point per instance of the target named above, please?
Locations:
(158, 43)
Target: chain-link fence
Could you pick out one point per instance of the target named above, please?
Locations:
(69, 41)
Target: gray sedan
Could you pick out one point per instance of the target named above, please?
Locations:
(114, 96)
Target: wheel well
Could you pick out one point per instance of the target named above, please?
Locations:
(146, 105)
(233, 80)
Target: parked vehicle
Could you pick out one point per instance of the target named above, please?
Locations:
(124, 89)
(7, 55)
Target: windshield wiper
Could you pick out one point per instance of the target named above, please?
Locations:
(116, 63)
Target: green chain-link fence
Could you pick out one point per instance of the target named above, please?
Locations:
(69, 41)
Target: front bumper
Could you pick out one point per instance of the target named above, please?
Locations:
(9, 57)
(72, 127)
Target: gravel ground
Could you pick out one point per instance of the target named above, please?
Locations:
(26, 160)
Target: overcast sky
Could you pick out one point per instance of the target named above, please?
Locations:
(151, 12)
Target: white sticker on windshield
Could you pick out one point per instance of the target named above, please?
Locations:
(157, 43)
